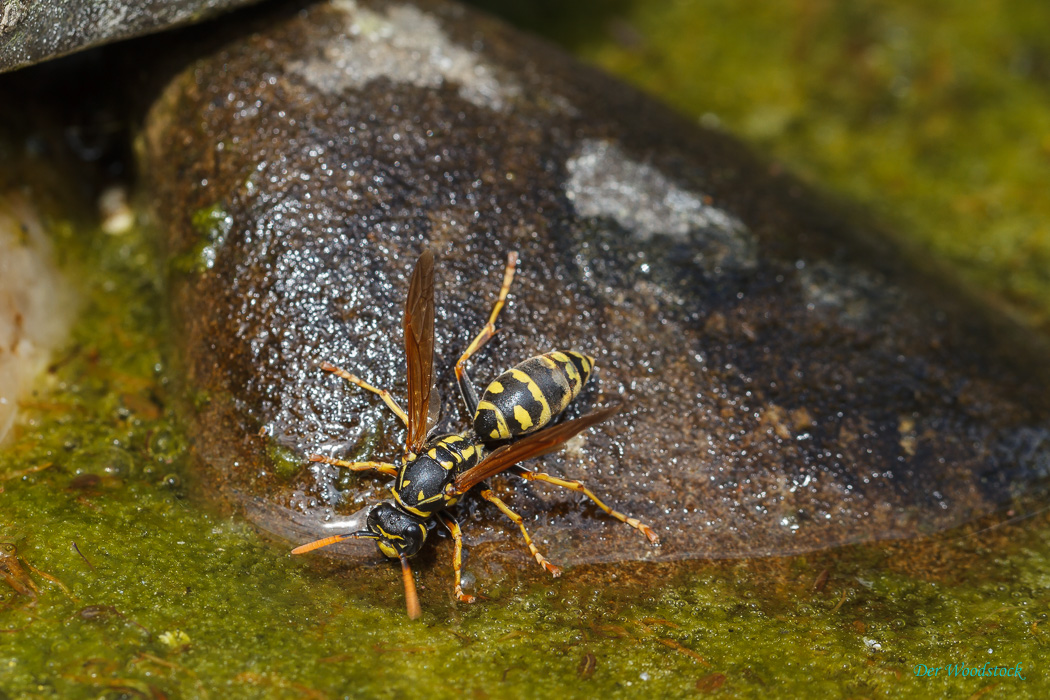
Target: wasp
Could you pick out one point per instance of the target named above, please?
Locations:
(511, 422)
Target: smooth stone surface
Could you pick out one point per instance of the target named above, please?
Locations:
(790, 381)
(37, 30)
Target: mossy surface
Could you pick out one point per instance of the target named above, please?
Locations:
(163, 599)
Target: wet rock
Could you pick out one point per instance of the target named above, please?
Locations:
(36, 30)
(789, 380)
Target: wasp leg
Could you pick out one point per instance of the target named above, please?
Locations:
(495, 500)
(577, 486)
(490, 328)
(457, 559)
(381, 467)
(383, 393)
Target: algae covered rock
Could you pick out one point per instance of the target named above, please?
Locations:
(789, 380)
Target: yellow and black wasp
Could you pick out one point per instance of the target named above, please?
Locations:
(509, 425)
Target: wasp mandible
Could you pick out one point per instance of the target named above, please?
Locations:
(509, 425)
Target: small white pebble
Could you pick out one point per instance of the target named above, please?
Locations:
(117, 216)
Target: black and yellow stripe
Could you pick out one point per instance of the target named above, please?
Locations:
(421, 481)
(528, 397)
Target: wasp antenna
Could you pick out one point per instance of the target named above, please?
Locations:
(411, 597)
(317, 544)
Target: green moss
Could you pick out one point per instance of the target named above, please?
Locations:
(285, 461)
(212, 224)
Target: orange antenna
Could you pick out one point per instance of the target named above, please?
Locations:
(317, 544)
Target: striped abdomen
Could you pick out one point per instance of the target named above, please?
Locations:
(528, 397)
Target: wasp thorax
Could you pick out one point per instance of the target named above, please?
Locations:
(397, 532)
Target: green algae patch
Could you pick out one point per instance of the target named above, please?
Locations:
(212, 225)
(284, 461)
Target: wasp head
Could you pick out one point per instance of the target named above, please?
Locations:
(397, 533)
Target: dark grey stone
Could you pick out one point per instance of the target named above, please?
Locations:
(37, 30)
(790, 379)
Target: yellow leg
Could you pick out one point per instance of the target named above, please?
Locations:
(495, 500)
(580, 488)
(457, 559)
(490, 328)
(383, 393)
(381, 467)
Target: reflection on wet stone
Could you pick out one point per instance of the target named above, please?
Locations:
(789, 382)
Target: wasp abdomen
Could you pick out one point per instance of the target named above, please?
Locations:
(528, 397)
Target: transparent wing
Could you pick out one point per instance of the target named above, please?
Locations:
(535, 445)
(433, 411)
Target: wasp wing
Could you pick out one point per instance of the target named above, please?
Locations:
(419, 348)
(433, 412)
(534, 445)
